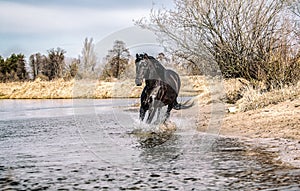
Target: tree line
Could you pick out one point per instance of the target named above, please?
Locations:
(54, 65)
(13, 68)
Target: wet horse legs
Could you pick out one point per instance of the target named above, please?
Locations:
(151, 114)
(170, 106)
(142, 113)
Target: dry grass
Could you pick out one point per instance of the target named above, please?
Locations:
(231, 91)
(255, 99)
(36, 90)
(113, 88)
(61, 89)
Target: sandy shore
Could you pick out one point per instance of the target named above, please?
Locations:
(276, 128)
(273, 125)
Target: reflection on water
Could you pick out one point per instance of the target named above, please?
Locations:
(62, 144)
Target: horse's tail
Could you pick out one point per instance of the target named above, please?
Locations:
(184, 105)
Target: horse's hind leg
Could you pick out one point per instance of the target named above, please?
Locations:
(168, 113)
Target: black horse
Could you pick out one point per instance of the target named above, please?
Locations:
(162, 87)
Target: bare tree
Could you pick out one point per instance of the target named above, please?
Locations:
(37, 63)
(294, 7)
(240, 36)
(88, 58)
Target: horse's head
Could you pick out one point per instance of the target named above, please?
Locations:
(141, 68)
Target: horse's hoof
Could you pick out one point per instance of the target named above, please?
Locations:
(157, 122)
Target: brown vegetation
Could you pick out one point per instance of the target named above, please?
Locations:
(61, 89)
(99, 89)
(255, 39)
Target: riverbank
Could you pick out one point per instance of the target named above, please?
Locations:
(276, 128)
(73, 89)
(269, 119)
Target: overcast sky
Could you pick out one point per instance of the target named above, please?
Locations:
(31, 26)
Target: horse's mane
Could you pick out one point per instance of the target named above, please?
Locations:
(158, 64)
(160, 69)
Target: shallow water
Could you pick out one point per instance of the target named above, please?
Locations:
(87, 144)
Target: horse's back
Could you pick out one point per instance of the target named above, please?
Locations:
(173, 80)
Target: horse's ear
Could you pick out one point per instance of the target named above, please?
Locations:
(146, 56)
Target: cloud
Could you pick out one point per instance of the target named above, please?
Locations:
(26, 18)
(30, 26)
(111, 4)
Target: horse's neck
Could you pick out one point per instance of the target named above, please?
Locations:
(157, 71)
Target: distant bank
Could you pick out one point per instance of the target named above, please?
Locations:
(73, 89)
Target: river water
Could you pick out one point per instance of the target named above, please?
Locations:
(87, 145)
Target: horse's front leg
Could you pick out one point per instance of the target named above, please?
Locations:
(144, 104)
(158, 120)
(142, 113)
(158, 113)
(151, 114)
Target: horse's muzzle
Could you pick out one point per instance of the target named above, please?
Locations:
(138, 82)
